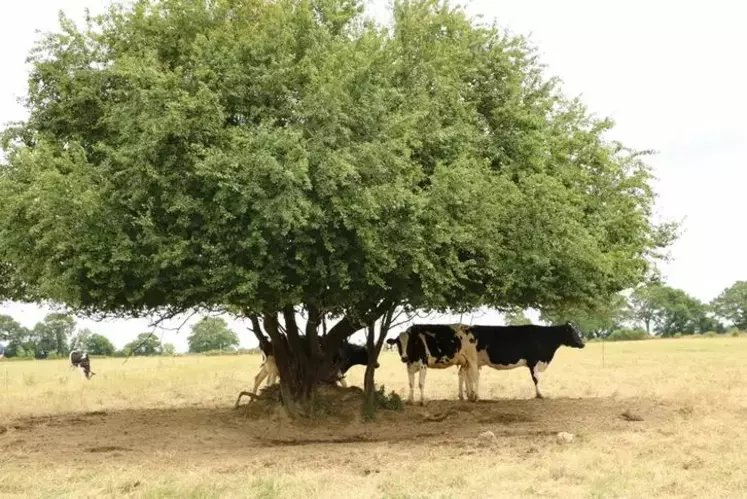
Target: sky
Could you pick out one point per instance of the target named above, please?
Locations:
(667, 72)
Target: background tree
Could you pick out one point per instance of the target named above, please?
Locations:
(516, 318)
(643, 304)
(211, 333)
(18, 337)
(286, 157)
(731, 304)
(144, 344)
(169, 349)
(97, 344)
(595, 321)
(669, 310)
(80, 339)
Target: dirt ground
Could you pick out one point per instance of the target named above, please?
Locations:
(658, 432)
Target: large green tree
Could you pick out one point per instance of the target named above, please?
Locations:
(211, 333)
(283, 156)
(53, 333)
(93, 343)
(16, 336)
(666, 311)
(144, 344)
(731, 304)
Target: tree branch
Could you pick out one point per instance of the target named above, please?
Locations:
(348, 325)
(291, 329)
(312, 329)
(264, 343)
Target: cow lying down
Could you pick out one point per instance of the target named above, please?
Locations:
(81, 360)
(532, 346)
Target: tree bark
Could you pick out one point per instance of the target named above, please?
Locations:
(374, 349)
(257, 330)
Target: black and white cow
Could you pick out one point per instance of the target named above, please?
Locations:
(439, 346)
(80, 359)
(508, 347)
(348, 356)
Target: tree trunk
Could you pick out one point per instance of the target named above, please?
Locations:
(304, 359)
(374, 349)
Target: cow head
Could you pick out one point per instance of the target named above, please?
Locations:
(401, 342)
(573, 336)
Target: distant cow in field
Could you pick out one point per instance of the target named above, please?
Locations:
(439, 346)
(81, 360)
(348, 356)
(508, 347)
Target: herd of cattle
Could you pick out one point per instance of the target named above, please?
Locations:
(438, 346)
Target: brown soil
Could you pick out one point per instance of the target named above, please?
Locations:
(212, 436)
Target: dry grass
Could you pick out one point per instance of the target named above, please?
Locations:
(660, 419)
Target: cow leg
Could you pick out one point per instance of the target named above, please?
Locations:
(261, 375)
(421, 383)
(474, 373)
(534, 371)
(341, 377)
(461, 383)
(411, 379)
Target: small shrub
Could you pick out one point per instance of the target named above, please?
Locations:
(678, 335)
(735, 334)
(391, 402)
(628, 335)
(710, 334)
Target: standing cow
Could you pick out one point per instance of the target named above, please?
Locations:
(438, 346)
(508, 347)
(81, 360)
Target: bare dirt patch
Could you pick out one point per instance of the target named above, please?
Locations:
(206, 435)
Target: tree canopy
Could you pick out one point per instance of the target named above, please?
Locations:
(268, 156)
(145, 344)
(211, 333)
(731, 304)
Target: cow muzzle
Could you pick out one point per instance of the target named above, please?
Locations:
(404, 359)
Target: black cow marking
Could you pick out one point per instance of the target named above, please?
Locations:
(81, 360)
(438, 346)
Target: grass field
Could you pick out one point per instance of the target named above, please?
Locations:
(662, 418)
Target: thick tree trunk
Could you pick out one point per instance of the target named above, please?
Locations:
(304, 360)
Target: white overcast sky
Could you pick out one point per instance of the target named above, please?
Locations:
(668, 72)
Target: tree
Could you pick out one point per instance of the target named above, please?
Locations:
(211, 333)
(80, 339)
(145, 344)
(287, 157)
(169, 349)
(98, 344)
(16, 336)
(516, 318)
(53, 333)
(643, 304)
(596, 321)
(731, 304)
(669, 311)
